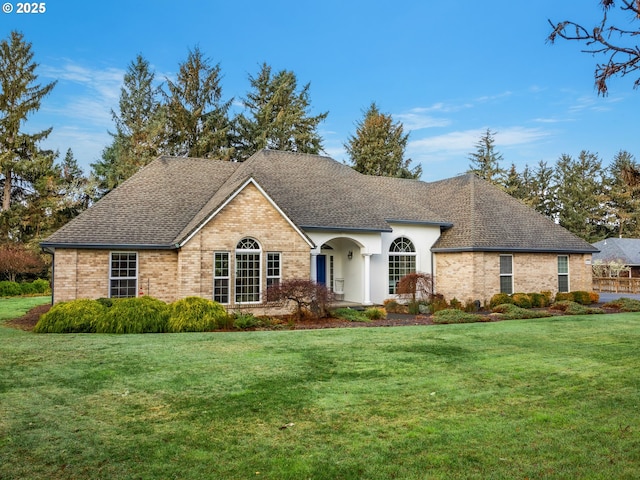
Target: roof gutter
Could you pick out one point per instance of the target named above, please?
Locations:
(511, 249)
(346, 229)
(49, 247)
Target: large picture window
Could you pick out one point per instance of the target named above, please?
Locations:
(563, 273)
(247, 271)
(221, 277)
(402, 261)
(506, 274)
(123, 275)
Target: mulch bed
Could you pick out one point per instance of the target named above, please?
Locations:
(29, 320)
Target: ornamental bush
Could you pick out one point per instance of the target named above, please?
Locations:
(500, 299)
(521, 300)
(538, 300)
(374, 313)
(76, 316)
(134, 315)
(581, 297)
(196, 314)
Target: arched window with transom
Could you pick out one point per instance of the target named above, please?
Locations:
(402, 261)
(248, 253)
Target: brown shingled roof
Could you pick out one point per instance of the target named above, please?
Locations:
(168, 200)
(487, 219)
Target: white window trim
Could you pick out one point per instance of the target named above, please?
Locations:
(390, 254)
(227, 277)
(507, 274)
(564, 274)
(235, 271)
(279, 276)
(111, 277)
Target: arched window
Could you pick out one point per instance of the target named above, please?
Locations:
(247, 271)
(402, 261)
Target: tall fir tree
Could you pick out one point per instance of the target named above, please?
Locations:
(485, 161)
(197, 119)
(580, 195)
(20, 96)
(542, 190)
(378, 147)
(277, 116)
(140, 127)
(623, 196)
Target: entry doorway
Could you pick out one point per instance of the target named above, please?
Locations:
(321, 269)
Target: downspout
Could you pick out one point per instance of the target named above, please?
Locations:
(53, 269)
(433, 277)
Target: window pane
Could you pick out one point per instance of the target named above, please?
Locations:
(563, 264)
(247, 277)
(506, 285)
(123, 275)
(506, 264)
(563, 283)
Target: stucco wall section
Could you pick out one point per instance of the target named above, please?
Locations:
(476, 275)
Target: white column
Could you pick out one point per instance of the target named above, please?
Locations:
(367, 279)
(314, 266)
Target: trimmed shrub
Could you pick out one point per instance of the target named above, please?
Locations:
(521, 300)
(509, 311)
(624, 305)
(27, 289)
(41, 285)
(134, 315)
(538, 300)
(10, 289)
(548, 295)
(564, 297)
(374, 313)
(581, 297)
(195, 314)
(76, 316)
(457, 316)
(595, 297)
(500, 299)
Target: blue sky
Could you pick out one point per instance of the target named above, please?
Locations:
(447, 70)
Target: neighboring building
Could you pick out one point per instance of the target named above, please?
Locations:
(622, 251)
(225, 231)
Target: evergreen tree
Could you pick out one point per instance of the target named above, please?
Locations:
(623, 196)
(139, 127)
(277, 116)
(20, 96)
(514, 183)
(580, 195)
(485, 161)
(378, 147)
(197, 120)
(542, 189)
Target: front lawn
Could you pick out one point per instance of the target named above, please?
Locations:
(548, 398)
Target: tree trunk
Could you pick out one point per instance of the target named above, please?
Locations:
(6, 196)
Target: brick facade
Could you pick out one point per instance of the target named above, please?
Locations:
(173, 274)
(476, 275)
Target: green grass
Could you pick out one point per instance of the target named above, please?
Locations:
(17, 306)
(549, 398)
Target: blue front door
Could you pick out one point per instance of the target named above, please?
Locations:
(321, 269)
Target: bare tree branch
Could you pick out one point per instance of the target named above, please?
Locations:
(618, 45)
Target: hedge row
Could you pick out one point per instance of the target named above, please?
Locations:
(15, 289)
(542, 299)
(134, 315)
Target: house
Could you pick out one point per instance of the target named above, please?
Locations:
(226, 231)
(625, 252)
